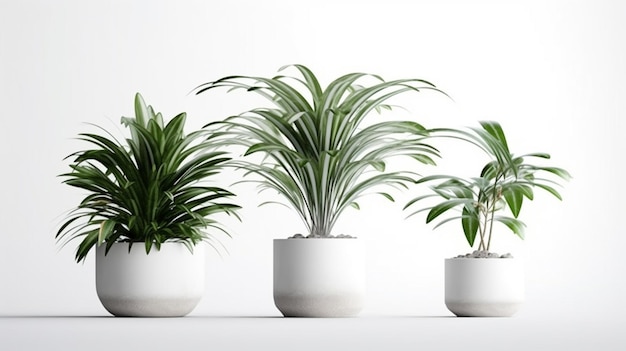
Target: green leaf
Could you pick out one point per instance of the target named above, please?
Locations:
(378, 165)
(550, 189)
(317, 152)
(141, 111)
(514, 198)
(417, 199)
(144, 190)
(495, 130)
(443, 207)
(504, 181)
(470, 223)
(557, 171)
(538, 154)
(106, 228)
(515, 225)
(425, 159)
(388, 197)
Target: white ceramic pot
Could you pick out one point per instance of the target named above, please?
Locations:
(484, 287)
(322, 277)
(165, 283)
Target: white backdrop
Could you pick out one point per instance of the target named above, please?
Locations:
(552, 72)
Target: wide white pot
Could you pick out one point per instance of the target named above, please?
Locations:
(484, 287)
(322, 277)
(165, 283)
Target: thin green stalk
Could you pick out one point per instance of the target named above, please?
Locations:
(483, 229)
(494, 202)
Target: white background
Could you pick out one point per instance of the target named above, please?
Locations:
(552, 72)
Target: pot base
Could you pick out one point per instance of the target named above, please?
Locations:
(472, 309)
(315, 305)
(146, 307)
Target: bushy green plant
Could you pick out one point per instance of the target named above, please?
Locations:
(504, 182)
(147, 190)
(318, 154)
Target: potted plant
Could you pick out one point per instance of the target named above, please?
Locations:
(484, 283)
(320, 156)
(145, 211)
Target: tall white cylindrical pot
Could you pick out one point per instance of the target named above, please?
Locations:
(321, 277)
(164, 283)
(484, 287)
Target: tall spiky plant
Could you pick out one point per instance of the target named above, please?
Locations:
(318, 154)
(503, 182)
(148, 190)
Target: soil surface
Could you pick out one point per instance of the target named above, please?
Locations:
(484, 254)
(311, 236)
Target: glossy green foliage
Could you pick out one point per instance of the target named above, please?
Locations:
(317, 152)
(504, 182)
(147, 190)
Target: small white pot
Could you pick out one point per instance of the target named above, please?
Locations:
(484, 287)
(165, 283)
(322, 277)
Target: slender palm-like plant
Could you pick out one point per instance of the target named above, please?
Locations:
(148, 190)
(319, 155)
(505, 181)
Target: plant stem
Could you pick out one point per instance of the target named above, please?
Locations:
(490, 221)
(483, 231)
(495, 199)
